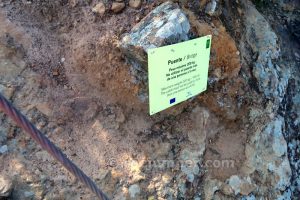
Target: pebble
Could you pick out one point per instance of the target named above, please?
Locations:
(29, 194)
(44, 108)
(73, 3)
(3, 149)
(110, 56)
(6, 186)
(134, 190)
(55, 72)
(99, 9)
(136, 4)
(117, 7)
(211, 8)
(216, 32)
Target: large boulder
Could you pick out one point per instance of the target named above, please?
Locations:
(272, 79)
(166, 24)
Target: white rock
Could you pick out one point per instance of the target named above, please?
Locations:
(134, 190)
(266, 153)
(241, 185)
(3, 149)
(6, 186)
(211, 8)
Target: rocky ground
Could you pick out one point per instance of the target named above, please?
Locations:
(64, 65)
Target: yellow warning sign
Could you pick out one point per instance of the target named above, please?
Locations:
(177, 72)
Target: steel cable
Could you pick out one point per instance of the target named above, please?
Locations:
(47, 145)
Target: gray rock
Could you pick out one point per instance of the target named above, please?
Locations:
(29, 194)
(3, 149)
(134, 190)
(211, 7)
(189, 163)
(7, 91)
(210, 187)
(266, 171)
(266, 154)
(241, 185)
(166, 24)
(272, 79)
(3, 133)
(6, 186)
(117, 7)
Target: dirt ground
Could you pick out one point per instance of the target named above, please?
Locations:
(67, 75)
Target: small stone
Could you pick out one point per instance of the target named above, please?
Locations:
(44, 108)
(55, 72)
(3, 149)
(29, 194)
(134, 190)
(120, 117)
(190, 178)
(215, 32)
(73, 3)
(117, 7)
(136, 4)
(58, 131)
(110, 56)
(6, 186)
(151, 198)
(211, 8)
(226, 189)
(99, 9)
(7, 91)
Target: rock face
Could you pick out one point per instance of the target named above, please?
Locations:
(267, 158)
(265, 173)
(166, 24)
(272, 79)
(268, 152)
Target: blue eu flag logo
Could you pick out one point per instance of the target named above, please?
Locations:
(172, 100)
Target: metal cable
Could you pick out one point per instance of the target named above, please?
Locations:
(47, 145)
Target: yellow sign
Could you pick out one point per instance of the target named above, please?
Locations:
(177, 72)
